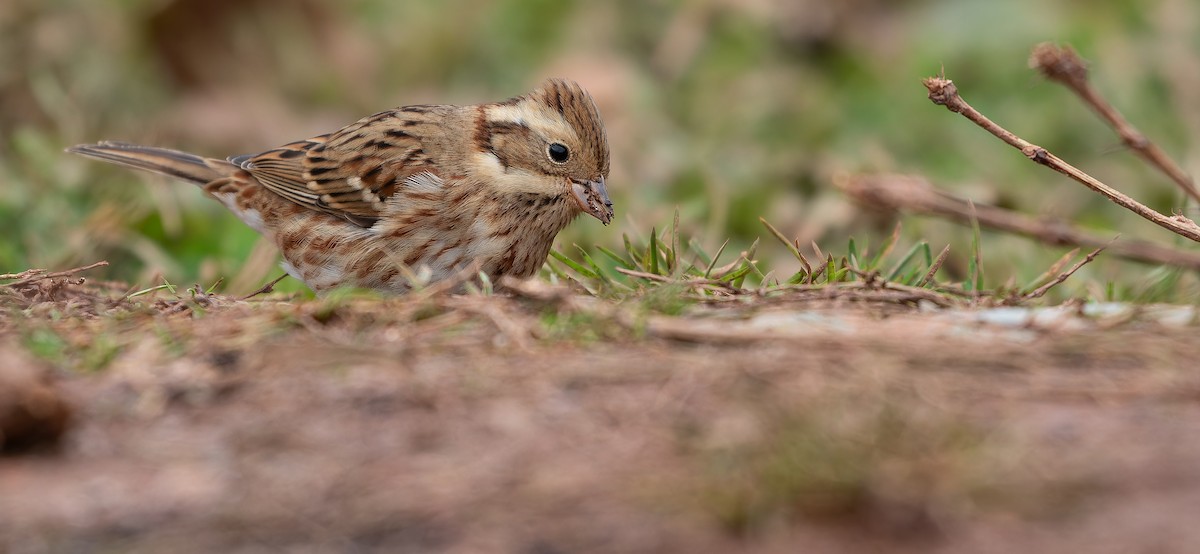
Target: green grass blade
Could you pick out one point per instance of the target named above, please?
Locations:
(787, 243)
(591, 264)
(886, 249)
(698, 250)
(576, 266)
(616, 258)
(633, 253)
(651, 261)
(674, 261)
(908, 256)
(738, 276)
(974, 271)
(713, 263)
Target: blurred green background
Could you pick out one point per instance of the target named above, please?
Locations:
(726, 109)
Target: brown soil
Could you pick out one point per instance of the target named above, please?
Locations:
(563, 424)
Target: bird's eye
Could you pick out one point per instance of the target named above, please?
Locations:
(559, 153)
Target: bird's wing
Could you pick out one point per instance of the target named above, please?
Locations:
(349, 173)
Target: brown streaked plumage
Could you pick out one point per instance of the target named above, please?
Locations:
(437, 187)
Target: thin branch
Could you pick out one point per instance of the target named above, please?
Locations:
(943, 92)
(1063, 65)
(1042, 290)
(911, 194)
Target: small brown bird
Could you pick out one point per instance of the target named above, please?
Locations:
(427, 189)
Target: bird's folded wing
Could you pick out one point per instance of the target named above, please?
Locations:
(349, 173)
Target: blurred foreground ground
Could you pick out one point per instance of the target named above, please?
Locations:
(550, 423)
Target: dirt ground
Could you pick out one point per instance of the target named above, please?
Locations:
(549, 423)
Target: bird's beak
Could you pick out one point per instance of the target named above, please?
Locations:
(592, 197)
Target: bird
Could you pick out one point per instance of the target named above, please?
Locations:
(423, 191)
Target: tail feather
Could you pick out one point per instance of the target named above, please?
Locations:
(163, 161)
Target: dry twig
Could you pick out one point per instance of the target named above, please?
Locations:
(267, 288)
(1063, 65)
(32, 275)
(943, 92)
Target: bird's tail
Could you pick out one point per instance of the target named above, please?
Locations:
(163, 161)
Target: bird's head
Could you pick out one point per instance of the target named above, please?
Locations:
(550, 142)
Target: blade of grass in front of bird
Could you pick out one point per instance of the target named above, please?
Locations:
(616, 258)
(1050, 272)
(557, 276)
(887, 248)
(736, 277)
(912, 277)
(974, 269)
(697, 249)
(576, 266)
(713, 262)
(747, 265)
(635, 256)
(591, 264)
(149, 290)
(843, 273)
(651, 259)
(787, 243)
(675, 266)
(908, 256)
(698, 256)
(751, 252)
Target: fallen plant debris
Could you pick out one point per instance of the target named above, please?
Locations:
(39, 285)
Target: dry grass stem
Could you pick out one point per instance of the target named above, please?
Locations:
(644, 275)
(943, 92)
(937, 264)
(1063, 65)
(1042, 290)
